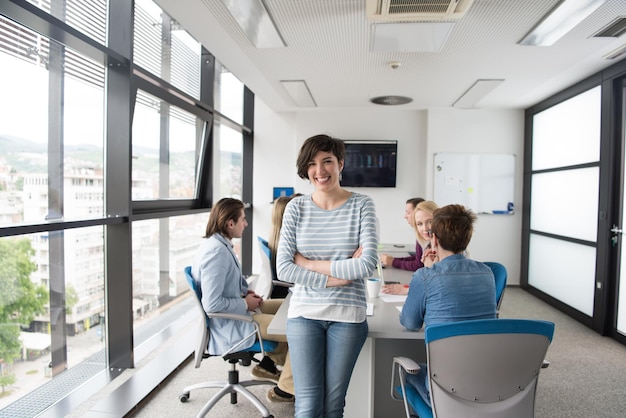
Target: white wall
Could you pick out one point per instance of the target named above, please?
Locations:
(420, 134)
(496, 237)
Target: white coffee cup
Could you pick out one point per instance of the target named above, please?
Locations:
(373, 287)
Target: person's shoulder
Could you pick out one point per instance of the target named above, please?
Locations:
(214, 244)
(479, 265)
(423, 273)
(299, 200)
(362, 198)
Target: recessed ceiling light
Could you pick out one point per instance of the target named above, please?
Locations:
(391, 100)
(299, 92)
(256, 23)
(476, 92)
(563, 18)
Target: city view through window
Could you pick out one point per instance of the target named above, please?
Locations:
(52, 169)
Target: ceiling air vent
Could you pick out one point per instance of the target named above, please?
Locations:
(416, 10)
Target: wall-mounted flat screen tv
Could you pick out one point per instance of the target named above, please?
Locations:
(370, 164)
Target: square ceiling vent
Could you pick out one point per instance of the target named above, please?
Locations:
(416, 10)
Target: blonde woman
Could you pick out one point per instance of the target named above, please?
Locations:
(420, 221)
(278, 292)
(413, 261)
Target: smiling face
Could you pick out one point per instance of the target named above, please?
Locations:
(324, 171)
(423, 221)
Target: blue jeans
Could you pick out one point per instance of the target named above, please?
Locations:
(323, 355)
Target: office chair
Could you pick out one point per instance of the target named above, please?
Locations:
(245, 357)
(482, 368)
(267, 281)
(500, 274)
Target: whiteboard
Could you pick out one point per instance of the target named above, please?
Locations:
(484, 183)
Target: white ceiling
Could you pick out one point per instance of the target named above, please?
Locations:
(328, 46)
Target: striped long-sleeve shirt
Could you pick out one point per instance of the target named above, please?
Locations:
(335, 234)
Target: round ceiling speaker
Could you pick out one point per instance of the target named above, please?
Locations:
(391, 100)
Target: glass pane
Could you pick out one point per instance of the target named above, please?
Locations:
(186, 54)
(562, 199)
(37, 88)
(162, 47)
(229, 94)
(84, 147)
(621, 298)
(621, 279)
(33, 268)
(88, 16)
(164, 150)
(147, 42)
(161, 250)
(230, 145)
(563, 270)
(573, 125)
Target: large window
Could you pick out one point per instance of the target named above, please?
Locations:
(67, 216)
(53, 154)
(164, 150)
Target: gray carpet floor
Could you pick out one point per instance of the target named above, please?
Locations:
(586, 376)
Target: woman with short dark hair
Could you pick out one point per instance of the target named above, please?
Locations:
(326, 325)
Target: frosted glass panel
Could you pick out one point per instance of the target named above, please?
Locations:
(566, 203)
(568, 133)
(564, 270)
(621, 291)
(621, 297)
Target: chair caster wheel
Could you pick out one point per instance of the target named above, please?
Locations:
(184, 397)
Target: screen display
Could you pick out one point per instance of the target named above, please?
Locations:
(281, 191)
(370, 164)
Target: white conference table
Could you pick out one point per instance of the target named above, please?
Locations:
(369, 390)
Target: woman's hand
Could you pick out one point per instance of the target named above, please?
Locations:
(396, 289)
(253, 301)
(335, 282)
(430, 257)
(386, 259)
(357, 253)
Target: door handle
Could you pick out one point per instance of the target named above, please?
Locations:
(616, 233)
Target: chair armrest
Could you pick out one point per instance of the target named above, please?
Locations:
(409, 365)
(403, 365)
(245, 318)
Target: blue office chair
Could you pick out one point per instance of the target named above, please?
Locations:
(500, 274)
(484, 368)
(244, 356)
(267, 280)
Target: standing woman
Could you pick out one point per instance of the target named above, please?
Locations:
(326, 325)
(421, 220)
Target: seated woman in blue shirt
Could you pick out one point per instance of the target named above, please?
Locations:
(454, 289)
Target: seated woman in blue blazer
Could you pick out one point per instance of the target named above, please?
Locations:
(224, 289)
